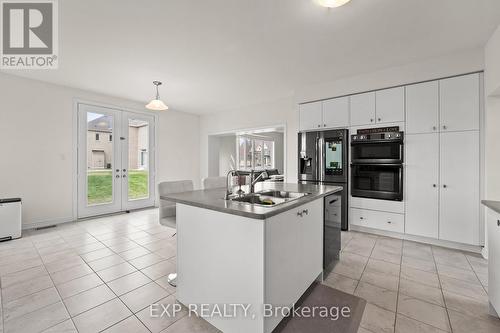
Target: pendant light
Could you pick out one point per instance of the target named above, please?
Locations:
(332, 3)
(157, 104)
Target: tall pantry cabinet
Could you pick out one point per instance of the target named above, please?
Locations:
(442, 159)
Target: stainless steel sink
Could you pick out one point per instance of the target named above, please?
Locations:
(283, 194)
(269, 198)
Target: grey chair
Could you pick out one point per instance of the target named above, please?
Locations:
(168, 211)
(213, 182)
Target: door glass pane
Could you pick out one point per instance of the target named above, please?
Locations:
(258, 148)
(99, 158)
(249, 153)
(138, 159)
(268, 154)
(241, 147)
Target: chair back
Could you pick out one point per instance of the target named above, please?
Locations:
(167, 208)
(213, 182)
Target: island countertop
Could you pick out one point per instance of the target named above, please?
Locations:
(495, 205)
(213, 199)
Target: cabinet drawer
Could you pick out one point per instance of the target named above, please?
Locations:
(377, 220)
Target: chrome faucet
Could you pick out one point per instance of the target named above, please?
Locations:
(228, 192)
(262, 175)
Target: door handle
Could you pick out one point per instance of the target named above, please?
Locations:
(124, 176)
(434, 185)
(445, 186)
(124, 170)
(117, 176)
(117, 170)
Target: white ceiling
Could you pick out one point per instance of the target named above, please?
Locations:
(214, 55)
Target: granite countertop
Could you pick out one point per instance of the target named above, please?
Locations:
(495, 205)
(213, 199)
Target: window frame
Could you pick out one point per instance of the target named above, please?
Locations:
(252, 140)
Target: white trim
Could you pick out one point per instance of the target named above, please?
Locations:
(285, 140)
(46, 223)
(420, 239)
(78, 100)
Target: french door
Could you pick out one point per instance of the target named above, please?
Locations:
(115, 160)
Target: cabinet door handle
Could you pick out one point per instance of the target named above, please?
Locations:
(305, 211)
(434, 128)
(324, 125)
(299, 214)
(371, 120)
(379, 119)
(434, 185)
(445, 186)
(389, 222)
(319, 125)
(361, 218)
(498, 223)
(444, 127)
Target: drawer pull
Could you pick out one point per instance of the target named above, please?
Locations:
(389, 222)
(361, 218)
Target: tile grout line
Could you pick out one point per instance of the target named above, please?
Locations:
(399, 284)
(477, 277)
(58, 293)
(441, 288)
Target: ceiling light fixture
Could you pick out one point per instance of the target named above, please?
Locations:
(157, 104)
(332, 3)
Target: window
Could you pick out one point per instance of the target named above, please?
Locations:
(253, 153)
(97, 137)
(110, 137)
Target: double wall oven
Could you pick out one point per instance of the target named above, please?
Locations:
(377, 164)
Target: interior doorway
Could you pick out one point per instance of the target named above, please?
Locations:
(257, 149)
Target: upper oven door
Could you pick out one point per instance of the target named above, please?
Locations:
(372, 152)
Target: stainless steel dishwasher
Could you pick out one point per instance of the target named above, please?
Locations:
(332, 231)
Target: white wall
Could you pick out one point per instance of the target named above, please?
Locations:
(492, 90)
(36, 146)
(285, 112)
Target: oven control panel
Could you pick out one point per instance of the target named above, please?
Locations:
(385, 136)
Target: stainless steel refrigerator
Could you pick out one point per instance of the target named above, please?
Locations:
(323, 159)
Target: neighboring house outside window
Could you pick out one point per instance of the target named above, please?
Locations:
(254, 153)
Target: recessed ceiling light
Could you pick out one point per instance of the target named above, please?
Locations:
(332, 3)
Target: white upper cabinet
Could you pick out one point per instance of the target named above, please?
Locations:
(422, 108)
(459, 194)
(422, 184)
(390, 105)
(310, 116)
(336, 112)
(363, 109)
(459, 103)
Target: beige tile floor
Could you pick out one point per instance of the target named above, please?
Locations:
(102, 275)
(412, 287)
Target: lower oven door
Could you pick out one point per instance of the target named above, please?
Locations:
(377, 181)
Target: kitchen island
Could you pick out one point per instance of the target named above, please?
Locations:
(235, 259)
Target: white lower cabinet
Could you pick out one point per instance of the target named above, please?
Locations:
(422, 185)
(493, 221)
(377, 220)
(293, 254)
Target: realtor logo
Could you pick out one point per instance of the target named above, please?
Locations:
(29, 34)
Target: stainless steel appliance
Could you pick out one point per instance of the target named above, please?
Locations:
(332, 234)
(377, 164)
(323, 159)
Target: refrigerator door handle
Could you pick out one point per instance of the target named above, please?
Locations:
(321, 159)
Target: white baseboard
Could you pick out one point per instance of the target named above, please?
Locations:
(484, 252)
(426, 240)
(46, 223)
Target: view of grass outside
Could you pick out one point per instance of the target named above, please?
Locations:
(100, 185)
